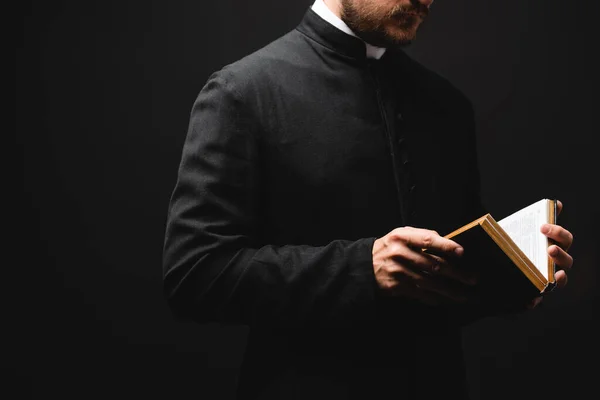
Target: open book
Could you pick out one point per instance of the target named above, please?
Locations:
(510, 255)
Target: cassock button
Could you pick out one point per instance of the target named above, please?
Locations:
(401, 141)
(406, 163)
(400, 116)
(412, 188)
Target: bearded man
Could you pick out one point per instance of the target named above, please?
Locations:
(314, 173)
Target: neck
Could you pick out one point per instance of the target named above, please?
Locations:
(334, 6)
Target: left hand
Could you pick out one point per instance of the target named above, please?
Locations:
(563, 239)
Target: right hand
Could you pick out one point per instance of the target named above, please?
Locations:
(417, 263)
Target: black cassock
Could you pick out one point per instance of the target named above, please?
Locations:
(297, 158)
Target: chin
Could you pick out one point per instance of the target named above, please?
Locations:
(401, 38)
(402, 34)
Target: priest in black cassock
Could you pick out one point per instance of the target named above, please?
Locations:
(314, 172)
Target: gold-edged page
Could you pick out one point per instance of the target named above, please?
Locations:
(512, 250)
(523, 226)
(552, 218)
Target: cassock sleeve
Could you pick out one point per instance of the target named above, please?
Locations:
(214, 268)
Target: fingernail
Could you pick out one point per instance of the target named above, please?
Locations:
(459, 251)
(545, 229)
(553, 250)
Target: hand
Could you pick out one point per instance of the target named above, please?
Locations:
(414, 263)
(563, 239)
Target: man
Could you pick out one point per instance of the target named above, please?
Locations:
(314, 173)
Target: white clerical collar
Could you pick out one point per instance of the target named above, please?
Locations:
(324, 12)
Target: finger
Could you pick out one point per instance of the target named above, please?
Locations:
(558, 234)
(561, 279)
(430, 241)
(413, 258)
(535, 302)
(421, 261)
(406, 279)
(439, 266)
(561, 258)
(559, 207)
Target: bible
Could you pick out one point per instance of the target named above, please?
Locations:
(509, 256)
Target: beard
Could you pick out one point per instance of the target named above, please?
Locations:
(383, 27)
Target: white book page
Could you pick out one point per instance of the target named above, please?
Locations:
(524, 228)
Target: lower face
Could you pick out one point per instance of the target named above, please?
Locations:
(384, 22)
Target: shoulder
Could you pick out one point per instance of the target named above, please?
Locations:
(273, 62)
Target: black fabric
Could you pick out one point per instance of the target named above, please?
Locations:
(297, 158)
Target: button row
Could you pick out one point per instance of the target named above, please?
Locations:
(410, 194)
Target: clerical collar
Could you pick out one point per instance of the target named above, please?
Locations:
(321, 9)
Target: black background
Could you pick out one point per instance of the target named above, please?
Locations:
(103, 95)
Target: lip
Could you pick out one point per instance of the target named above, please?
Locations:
(411, 14)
